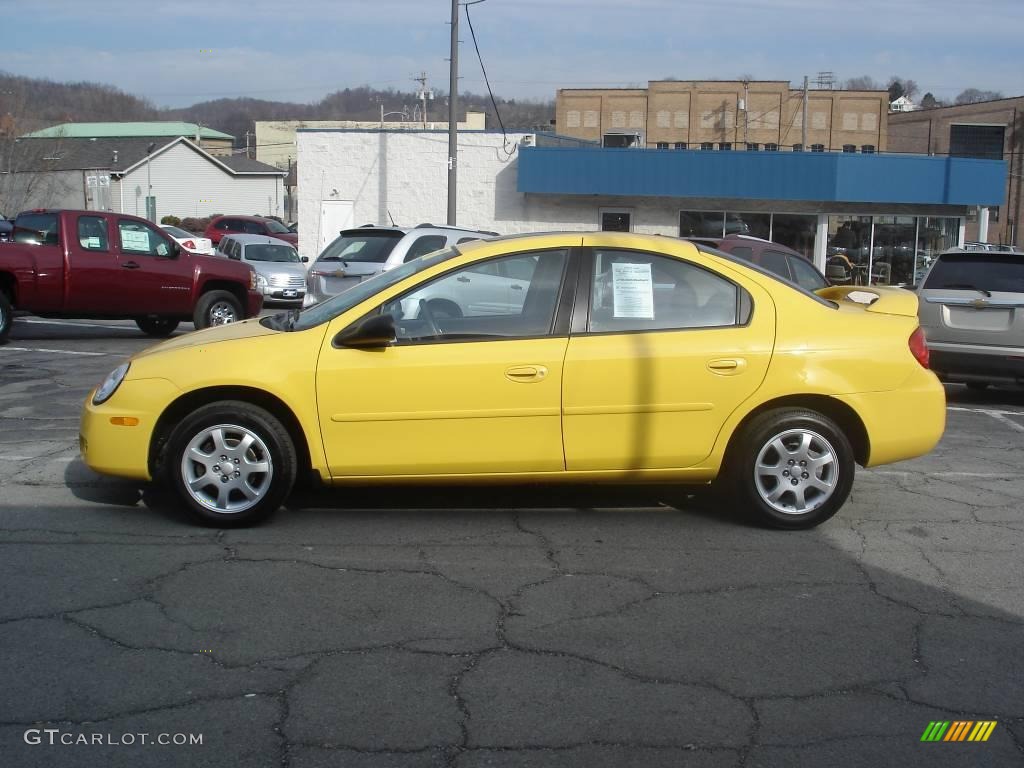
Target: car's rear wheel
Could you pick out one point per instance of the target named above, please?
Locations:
(159, 327)
(231, 462)
(6, 317)
(217, 308)
(790, 468)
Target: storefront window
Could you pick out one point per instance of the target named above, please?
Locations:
(894, 246)
(847, 254)
(796, 231)
(935, 234)
(701, 223)
(756, 224)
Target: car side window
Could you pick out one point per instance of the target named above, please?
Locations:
(634, 291)
(775, 261)
(425, 245)
(225, 224)
(743, 252)
(805, 275)
(138, 239)
(92, 233)
(469, 305)
(254, 227)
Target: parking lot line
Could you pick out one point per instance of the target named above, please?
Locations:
(53, 351)
(1001, 416)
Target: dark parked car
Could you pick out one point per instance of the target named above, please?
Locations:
(248, 225)
(5, 229)
(777, 258)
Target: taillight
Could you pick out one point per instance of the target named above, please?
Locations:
(919, 347)
(190, 245)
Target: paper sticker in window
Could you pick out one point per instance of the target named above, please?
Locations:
(134, 241)
(632, 291)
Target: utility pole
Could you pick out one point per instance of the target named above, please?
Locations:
(803, 123)
(746, 113)
(453, 111)
(424, 94)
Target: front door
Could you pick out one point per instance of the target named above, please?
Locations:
(335, 215)
(669, 350)
(460, 392)
(154, 280)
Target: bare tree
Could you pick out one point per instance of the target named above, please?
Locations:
(27, 175)
(863, 83)
(973, 96)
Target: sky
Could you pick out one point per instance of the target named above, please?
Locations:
(179, 52)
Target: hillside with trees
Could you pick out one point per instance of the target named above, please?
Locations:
(28, 104)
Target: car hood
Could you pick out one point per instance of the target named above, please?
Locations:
(268, 268)
(246, 329)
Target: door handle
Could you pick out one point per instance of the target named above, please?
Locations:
(526, 373)
(517, 287)
(130, 265)
(727, 365)
(463, 279)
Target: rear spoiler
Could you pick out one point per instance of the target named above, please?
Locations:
(886, 301)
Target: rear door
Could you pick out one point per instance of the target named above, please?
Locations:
(95, 280)
(974, 298)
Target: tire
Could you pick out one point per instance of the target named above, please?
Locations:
(977, 386)
(158, 327)
(208, 439)
(6, 317)
(759, 474)
(442, 308)
(217, 308)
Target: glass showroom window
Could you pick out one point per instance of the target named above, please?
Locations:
(701, 223)
(894, 245)
(849, 245)
(756, 224)
(937, 234)
(795, 230)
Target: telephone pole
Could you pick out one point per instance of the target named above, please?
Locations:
(423, 94)
(453, 111)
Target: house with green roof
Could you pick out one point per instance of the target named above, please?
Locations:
(213, 142)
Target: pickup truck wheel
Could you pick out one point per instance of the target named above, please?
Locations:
(217, 308)
(6, 317)
(159, 327)
(231, 462)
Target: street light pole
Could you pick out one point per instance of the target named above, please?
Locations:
(150, 204)
(453, 111)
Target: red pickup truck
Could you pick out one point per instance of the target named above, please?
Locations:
(93, 264)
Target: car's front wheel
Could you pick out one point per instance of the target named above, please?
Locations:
(790, 468)
(6, 317)
(231, 462)
(158, 327)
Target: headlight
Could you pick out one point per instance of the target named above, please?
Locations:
(110, 384)
(252, 279)
(261, 281)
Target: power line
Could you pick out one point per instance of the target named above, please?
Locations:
(497, 113)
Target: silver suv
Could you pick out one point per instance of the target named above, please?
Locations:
(360, 253)
(972, 312)
(280, 273)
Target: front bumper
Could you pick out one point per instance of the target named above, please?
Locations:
(123, 451)
(253, 302)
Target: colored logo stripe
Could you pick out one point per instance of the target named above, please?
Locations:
(958, 730)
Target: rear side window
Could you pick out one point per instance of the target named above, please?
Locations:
(36, 228)
(743, 252)
(425, 245)
(92, 233)
(805, 275)
(774, 261)
(363, 247)
(986, 271)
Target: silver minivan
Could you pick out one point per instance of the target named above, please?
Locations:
(360, 253)
(280, 273)
(971, 308)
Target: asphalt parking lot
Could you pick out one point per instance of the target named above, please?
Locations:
(507, 628)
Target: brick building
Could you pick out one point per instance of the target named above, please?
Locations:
(723, 115)
(990, 130)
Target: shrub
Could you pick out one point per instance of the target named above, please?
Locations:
(174, 221)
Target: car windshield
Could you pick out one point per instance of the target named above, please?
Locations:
(343, 302)
(175, 232)
(980, 271)
(374, 247)
(276, 227)
(271, 252)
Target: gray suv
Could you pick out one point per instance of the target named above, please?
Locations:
(972, 312)
(360, 253)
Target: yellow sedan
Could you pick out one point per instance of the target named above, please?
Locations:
(570, 357)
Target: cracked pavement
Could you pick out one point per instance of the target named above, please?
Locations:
(506, 627)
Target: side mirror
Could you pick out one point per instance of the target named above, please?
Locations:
(372, 332)
(305, 259)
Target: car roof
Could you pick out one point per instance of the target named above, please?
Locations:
(241, 217)
(265, 239)
(418, 228)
